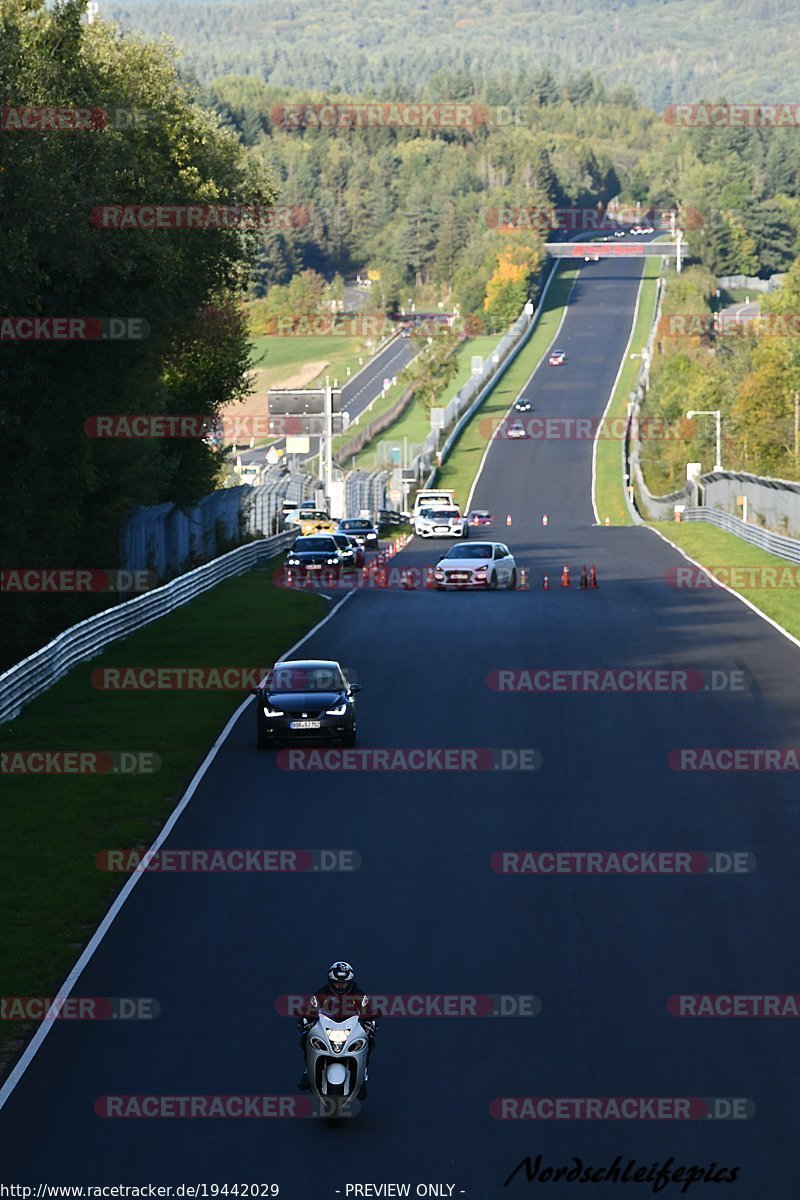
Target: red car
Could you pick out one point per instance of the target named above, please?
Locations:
(480, 516)
(557, 358)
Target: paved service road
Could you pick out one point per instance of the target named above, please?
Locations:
(427, 914)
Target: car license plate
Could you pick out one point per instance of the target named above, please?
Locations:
(441, 529)
(304, 724)
(459, 575)
(314, 567)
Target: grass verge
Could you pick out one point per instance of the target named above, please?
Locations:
(461, 466)
(720, 554)
(609, 496)
(53, 825)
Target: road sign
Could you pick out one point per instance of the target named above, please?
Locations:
(301, 403)
(437, 418)
(477, 364)
(298, 445)
(273, 457)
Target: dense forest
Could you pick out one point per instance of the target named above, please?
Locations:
(677, 51)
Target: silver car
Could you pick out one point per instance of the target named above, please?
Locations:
(487, 565)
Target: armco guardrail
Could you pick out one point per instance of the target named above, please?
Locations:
(35, 674)
(773, 543)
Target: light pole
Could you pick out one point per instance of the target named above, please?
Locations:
(712, 412)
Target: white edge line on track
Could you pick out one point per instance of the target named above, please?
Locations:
(707, 571)
(8, 1085)
(622, 363)
(552, 342)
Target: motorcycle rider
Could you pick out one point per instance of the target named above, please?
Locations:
(340, 997)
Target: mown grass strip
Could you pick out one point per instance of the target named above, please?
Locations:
(609, 495)
(53, 825)
(459, 470)
(770, 583)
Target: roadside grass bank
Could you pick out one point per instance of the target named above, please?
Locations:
(54, 825)
(770, 583)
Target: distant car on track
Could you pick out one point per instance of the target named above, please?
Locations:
(305, 700)
(361, 529)
(485, 565)
(523, 405)
(347, 549)
(516, 430)
(557, 358)
(441, 522)
(314, 520)
(317, 557)
(480, 516)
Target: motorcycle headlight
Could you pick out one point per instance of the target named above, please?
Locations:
(318, 1045)
(337, 1039)
(336, 712)
(273, 712)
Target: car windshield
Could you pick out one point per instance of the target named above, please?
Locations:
(305, 678)
(341, 539)
(481, 512)
(475, 550)
(313, 543)
(355, 525)
(443, 514)
(315, 516)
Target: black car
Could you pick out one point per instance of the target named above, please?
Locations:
(316, 555)
(523, 405)
(305, 700)
(361, 529)
(347, 548)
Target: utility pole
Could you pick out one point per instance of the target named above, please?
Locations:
(328, 439)
(679, 240)
(796, 424)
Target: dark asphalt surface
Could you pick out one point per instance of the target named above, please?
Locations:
(426, 914)
(358, 392)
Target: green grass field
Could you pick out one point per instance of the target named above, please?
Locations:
(608, 489)
(718, 552)
(278, 359)
(459, 470)
(53, 825)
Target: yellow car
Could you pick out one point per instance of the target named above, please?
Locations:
(314, 521)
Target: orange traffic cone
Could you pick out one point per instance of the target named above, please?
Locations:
(544, 519)
(404, 580)
(593, 577)
(410, 581)
(523, 580)
(584, 583)
(508, 519)
(546, 584)
(429, 578)
(565, 577)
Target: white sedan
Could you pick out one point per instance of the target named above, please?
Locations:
(479, 565)
(516, 430)
(441, 522)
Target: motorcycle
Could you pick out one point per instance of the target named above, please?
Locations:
(336, 1063)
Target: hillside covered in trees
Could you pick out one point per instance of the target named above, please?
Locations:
(683, 50)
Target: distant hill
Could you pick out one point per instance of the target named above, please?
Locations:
(666, 50)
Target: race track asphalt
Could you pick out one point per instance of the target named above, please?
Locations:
(425, 913)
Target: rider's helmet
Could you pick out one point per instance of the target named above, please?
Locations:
(341, 977)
